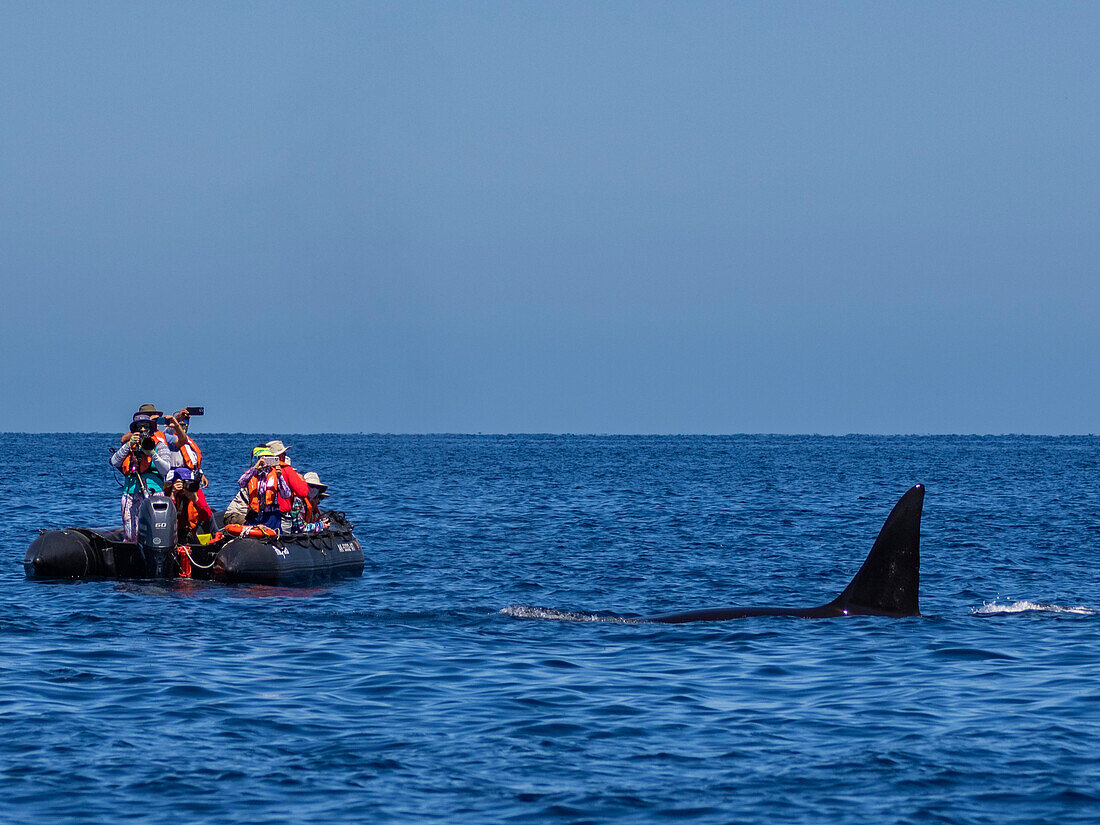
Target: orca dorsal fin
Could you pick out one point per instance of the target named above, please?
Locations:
(888, 581)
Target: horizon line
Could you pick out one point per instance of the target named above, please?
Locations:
(548, 434)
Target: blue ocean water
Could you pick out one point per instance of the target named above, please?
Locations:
(449, 685)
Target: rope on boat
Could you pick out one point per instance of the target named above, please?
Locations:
(196, 564)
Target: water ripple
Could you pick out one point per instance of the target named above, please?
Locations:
(1024, 606)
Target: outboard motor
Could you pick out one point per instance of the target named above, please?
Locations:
(156, 536)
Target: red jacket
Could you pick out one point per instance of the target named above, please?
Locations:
(191, 514)
(296, 483)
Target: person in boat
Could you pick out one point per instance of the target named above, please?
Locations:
(193, 514)
(294, 480)
(269, 489)
(297, 484)
(237, 511)
(143, 461)
(151, 412)
(305, 514)
(182, 448)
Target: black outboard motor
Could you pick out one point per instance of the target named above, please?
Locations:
(156, 537)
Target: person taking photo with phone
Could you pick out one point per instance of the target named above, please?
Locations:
(266, 488)
(183, 449)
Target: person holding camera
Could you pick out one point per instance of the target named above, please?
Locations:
(143, 461)
(192, 511)
(266, 488)
(151, 412)
(237, 510)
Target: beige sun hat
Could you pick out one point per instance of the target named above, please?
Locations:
(313, 480)
(277, 447)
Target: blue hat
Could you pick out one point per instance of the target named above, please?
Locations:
(179, 474)
(141, 420)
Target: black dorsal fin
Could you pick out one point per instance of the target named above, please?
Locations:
(889, 579)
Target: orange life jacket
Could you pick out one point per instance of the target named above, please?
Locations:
(192, 455)
(129, 466)
(142, 467)
(310, 514)
(188, 516)
(271, 495)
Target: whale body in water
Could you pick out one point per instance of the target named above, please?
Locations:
(886, 584)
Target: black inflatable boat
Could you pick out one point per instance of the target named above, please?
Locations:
(298, 559)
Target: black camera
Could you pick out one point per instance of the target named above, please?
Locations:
(195, 410)
(148, 444)
(192, 486)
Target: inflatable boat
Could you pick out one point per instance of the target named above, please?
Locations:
(234, 554)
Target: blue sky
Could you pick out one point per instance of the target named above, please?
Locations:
(551, 217)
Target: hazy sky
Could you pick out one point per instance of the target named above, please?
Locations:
(552, 217)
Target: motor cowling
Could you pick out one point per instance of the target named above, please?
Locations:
(156, 536)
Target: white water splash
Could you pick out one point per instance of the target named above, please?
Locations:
(522, 611)
(1024, 606)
